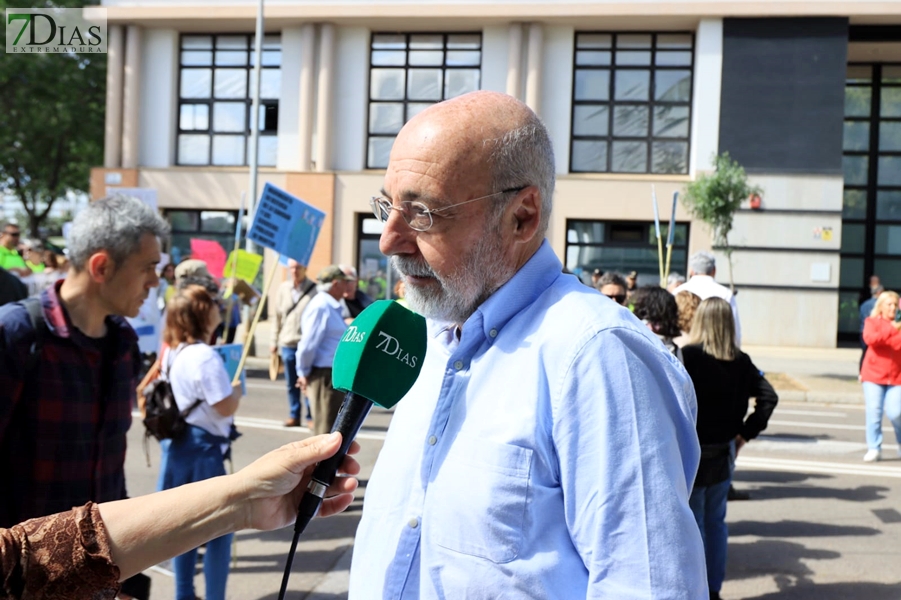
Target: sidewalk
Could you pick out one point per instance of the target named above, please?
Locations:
(822, 375)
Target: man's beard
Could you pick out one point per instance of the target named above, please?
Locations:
(480, 273)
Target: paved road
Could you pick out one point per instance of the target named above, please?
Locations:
(821, 524)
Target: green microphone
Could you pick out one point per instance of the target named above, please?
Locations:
(376, 362)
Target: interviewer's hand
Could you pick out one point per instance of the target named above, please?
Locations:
(272, 486)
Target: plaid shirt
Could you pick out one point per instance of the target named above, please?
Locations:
(63, 425)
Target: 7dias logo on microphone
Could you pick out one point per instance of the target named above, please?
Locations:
(55, 31)
(353, 335)
(390, 346)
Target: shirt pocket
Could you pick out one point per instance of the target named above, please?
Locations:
(477, 503)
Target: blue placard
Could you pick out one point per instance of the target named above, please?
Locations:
(231, 355)
(286, 224)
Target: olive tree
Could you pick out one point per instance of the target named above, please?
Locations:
(714, 197)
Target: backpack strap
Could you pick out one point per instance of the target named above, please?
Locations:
(39, 324)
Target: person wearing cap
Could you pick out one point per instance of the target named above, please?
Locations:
(356, 299)
(191, 268)
(322, 326)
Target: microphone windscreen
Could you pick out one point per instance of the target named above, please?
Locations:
(381, 353)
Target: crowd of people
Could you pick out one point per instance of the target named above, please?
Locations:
(560, 441)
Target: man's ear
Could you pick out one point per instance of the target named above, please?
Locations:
(526, 211)
(100, 267)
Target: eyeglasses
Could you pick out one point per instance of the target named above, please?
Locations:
(618, 298)
(12, 233)
(417, 215)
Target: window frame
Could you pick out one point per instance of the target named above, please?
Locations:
(407, 67)
(651, 103)
(647, 232)
(265, 104)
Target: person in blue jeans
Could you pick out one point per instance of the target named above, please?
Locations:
(725, 379)
(291, 298)
(203, 389)
(880, 371)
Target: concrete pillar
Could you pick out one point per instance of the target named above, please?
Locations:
(514, 61)
(131, 98)
(324, 102)
(306, 102)
(112, 133)
(533, 74)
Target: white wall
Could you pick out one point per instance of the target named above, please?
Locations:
(288, 140)
(557, 85)
(159, 98)
(495, 48)
(351, 94)
(707, 83)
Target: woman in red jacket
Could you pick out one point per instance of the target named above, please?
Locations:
(881, 372)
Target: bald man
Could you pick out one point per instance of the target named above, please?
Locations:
(548, 448)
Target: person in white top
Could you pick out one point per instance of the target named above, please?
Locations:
(201, 386)
(701, 271)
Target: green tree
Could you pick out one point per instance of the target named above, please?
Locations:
(51, 123)
(713, 198)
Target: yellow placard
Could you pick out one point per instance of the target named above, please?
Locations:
(248, 265)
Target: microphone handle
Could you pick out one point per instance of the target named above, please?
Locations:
(350, 418)
(353, 412)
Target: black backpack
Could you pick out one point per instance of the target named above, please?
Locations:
(162, 418)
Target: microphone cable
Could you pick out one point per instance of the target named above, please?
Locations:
(309, 506)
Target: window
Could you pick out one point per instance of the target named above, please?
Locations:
(631, 102)
(376, 278)
(215, 88)
(871, 211)
(214, 225)
(622, 247)
(408, 73)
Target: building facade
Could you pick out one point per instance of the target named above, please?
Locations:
(638, 98)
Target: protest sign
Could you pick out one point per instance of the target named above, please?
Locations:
(210, 252)
(286, 224)
(231, 356)
(247, 268)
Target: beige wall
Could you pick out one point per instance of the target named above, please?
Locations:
(352, 194)
(204, 188)
(788, 318)
(611, 198)
(129, 179)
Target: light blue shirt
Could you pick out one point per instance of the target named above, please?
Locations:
(549, 453)
(322, 327)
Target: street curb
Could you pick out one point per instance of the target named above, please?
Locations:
(820, 397)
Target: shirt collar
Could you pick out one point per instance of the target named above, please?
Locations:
(60, 324)
(330, 300)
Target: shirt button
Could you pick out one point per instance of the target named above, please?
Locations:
(432, 440)
(414, 523)
(493, 333)
(458, 365)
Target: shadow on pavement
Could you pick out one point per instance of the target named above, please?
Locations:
(756, 476)
(774, 558)
(863, 493)
(793, 529)
(836, 591)
(306, 596)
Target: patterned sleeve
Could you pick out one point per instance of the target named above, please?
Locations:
(59, 557)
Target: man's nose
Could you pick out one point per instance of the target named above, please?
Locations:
(397, 236)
